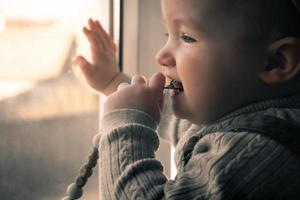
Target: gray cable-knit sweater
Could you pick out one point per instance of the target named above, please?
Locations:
(230, 165)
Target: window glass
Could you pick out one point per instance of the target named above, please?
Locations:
(47, 116)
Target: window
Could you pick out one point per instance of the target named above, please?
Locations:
(47, 118)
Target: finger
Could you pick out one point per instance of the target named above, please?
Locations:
(91, 34)
(99, 36)
(93, 39)
(84, 65)
(97, 28)
(93, 28)
(138, 79)
(88, 33)
(122, 85)
(104, 35)
(100, 28)
(98, 23)
(157, 82)
(92, 24)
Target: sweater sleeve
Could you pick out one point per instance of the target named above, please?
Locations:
(127, 165)
(221, 166)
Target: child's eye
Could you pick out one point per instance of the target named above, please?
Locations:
(187, 39)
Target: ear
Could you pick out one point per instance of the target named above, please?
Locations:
(283, 61)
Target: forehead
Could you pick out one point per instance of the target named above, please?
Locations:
(172, 8)
(197, 11)
(216, 17)
(200, 6)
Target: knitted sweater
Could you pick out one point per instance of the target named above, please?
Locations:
(231, 165)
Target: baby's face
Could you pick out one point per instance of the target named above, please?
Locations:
(217, 74)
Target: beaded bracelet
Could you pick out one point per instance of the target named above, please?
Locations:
(74, 190)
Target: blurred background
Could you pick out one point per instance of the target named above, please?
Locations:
(47, 116)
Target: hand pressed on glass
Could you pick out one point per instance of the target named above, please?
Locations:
(102, 69)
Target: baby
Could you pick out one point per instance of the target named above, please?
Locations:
(235, 66)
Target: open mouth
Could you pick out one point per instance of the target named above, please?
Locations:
(175, 85)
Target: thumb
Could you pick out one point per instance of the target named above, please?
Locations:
(84, 65)
(157, 83)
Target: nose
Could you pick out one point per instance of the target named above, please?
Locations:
(165, 58)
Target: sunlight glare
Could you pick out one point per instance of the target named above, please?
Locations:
(40, 9)
(12, 88)
(2, 22)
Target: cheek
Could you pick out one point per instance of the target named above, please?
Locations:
(200, 70)
(205, 80)
(199, 77)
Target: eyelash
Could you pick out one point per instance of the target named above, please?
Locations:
(184, 37)
(187, 39)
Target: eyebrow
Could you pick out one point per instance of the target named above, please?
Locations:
(180, 21)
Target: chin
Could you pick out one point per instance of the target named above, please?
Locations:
(198, 120)
(180, 114)
(184, 115)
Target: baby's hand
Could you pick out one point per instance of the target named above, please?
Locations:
(147, 97)
(103, 68)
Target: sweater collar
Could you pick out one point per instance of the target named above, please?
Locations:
(291, 101)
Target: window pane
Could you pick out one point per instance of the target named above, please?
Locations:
(47, 117)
